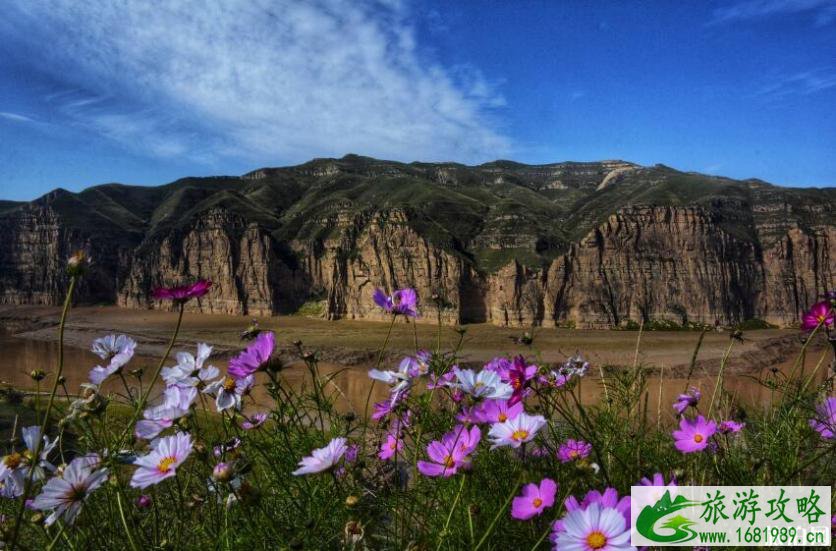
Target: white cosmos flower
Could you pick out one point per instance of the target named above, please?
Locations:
(117, 349)
(594, 528)
(189, 370)
(485, 384)
(228, 391)
(64, 495)
(323, 459)
(514, 432)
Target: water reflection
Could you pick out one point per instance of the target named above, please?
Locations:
(349, 385)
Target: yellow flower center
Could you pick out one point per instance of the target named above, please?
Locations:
(449, 462)
(478, 384)
(821, 318)
(537, 502)
(698, 438)
(520, 434)
(574, 454)
(502, 417)
(166, 463)
(229, 384)
(393, 445)
(596, 540)
(13, 460)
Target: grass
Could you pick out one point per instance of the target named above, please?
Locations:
(365, 503)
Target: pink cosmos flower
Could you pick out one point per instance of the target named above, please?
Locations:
(519, 376)
(572, 450)
(497, 411)
(451, 453)
(182, 293)
(821, 313)
(322, 459)
(446, 380)
(730, 426)
(825, 421)
(64, 495)
(162, 462)
(389, 447)
(255, 357)
(534, 499)
(402, 301)
(658, 480)
(254, 421)
(594, 528)
(515, 432)
(693, 435)
(499, 364)
(689, 399)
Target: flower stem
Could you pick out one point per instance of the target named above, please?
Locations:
(498, 514)
(450, 514)
(719, 381)
(27, 487)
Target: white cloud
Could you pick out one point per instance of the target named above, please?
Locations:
(15, 117)
(824, 11)
(259, 80)
(802, 83)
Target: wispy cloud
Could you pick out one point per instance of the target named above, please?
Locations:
(794, 84)
(823, 11)
(15, 117)
(277, 80)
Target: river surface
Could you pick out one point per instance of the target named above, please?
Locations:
(349, 385)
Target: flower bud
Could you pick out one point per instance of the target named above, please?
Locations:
(78, 263)
(353, 532)
(351, 501)
(143, 501)
(37, 374)
(222, 472)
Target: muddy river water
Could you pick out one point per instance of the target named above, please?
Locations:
(350, 385)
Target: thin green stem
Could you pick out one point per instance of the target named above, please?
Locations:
(450, 514)
(498, 514)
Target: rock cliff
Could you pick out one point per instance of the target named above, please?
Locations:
(583, 244)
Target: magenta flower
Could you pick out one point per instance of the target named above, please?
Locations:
(825, 421)
(322, 459)
(182, 293)
(517, 431)
(402, 301)
(693, 435)
(451, 453)
(143, 501)
(163, 460)
(821, 313)
(497, 411)
(255, 357)
(534, 499)
(657, 480)
(730, 426)
(572, 450)
(689, 399)
(446, 380)
(389, 447)
(253, 421)
(519, 376)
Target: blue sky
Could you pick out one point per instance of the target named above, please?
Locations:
(94, 92)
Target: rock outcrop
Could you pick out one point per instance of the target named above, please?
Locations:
(581, 244)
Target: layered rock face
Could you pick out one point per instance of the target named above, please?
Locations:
(586, 244)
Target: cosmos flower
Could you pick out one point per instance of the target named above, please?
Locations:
(255, 357)
(519, 376)
(390, 446)
(182, 293)
(572, 450)
(446, 380)
(65, 494)
(14, 467)
(157, 420)
(322, 459)
(821, 313)
(229, 391)
(402, 301)
(825, 421)
(515, 432)
(162, 462)
(254, 421)
(189, 370)
(485, 384)
(608, 499)
(117, 349)
(497, 411)
(689, 399)
(658, 480)
(534, 499)
(693, 435)
(594, 528)
(226, 447)
(451, 453)
(730, 426)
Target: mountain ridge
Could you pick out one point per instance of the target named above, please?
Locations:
(325, 231)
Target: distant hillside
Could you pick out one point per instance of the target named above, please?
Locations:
(590, 244)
